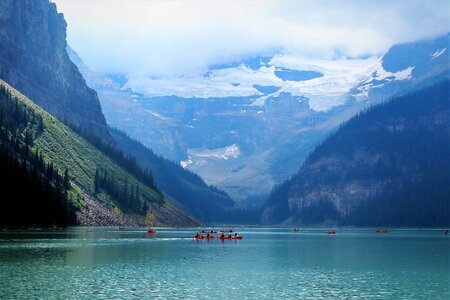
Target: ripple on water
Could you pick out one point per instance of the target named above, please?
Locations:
(265, 265)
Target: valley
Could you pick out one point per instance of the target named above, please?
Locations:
(244, 126)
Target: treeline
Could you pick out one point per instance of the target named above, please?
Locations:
(129, 196)
(423, 203)
(170, 166)
(402, 116)
(410, 135)
(246, 215)
(35, 192)
(207, 203)
(127, 162)
(399, 150)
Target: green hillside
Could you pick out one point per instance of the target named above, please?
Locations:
(115, 187)
(186, 188)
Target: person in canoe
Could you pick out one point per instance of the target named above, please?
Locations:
(222, 236)
(237, 237)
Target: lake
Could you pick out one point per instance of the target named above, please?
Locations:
(269, 263)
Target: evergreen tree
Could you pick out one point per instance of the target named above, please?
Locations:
(66, 181)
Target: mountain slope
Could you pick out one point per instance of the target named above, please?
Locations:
(389, 165)
(188, 189)
(248, 125)
(34, 193)
(34, 60)
(103, 192)
(182, 186)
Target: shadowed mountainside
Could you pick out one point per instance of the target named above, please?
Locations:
(389, 165)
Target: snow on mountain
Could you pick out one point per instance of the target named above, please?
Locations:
(325, 83)
(225, 153)
(438, 53)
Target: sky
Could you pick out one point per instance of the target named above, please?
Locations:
(177, 38)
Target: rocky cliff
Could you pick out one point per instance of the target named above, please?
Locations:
(34, 60)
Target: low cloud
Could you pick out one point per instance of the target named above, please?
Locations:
(164, 38)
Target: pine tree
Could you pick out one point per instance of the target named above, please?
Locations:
(97, 181)
(66, 181)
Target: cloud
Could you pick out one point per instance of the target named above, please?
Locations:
(185, 37)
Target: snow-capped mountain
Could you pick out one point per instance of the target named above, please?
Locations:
(248, 125)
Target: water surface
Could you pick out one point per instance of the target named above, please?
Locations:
(269, 263)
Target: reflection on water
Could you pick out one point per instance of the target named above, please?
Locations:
(269, 263)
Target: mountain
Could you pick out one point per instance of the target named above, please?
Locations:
(426, 60)
(387, 166)
(100, 187)
(248, 125)
(34, 60)
(182, 186)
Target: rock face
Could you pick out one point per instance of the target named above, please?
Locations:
(33, 59)
(387, 166)
(97, 213)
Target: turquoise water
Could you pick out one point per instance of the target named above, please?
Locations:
(269, 263)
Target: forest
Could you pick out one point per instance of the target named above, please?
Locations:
(398, 151)
(35, 193)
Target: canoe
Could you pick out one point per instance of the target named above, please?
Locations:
(203, 238)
